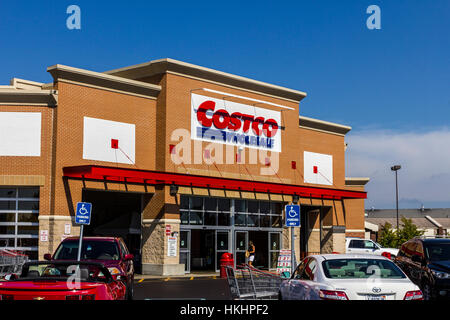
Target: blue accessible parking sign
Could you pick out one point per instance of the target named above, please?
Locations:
(292, 215)
(83, 213)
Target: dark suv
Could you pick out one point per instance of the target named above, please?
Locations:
(427, 264)
(110, 251)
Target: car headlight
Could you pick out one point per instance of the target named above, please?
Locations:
(114, 271)
(440, 274)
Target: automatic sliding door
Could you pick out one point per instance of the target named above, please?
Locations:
(185, 249)
(241, 246)
(274, 249)
(222, 246)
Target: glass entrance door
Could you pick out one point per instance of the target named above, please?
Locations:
(185, 249)
(274, 249)
(241, 245)
(222, 246)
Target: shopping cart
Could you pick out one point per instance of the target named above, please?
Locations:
(11, 261)
(248, 283)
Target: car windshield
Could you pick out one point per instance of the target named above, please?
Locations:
(438, 251)
(361, 268)
(91, 250)
(39, 271)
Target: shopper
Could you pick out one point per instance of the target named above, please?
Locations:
(251, 251)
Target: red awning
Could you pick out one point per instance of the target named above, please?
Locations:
(188, 180)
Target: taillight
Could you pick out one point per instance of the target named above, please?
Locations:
(73, 297)
(332, 295)
(387, 255)
(413, 295)
(6, 297)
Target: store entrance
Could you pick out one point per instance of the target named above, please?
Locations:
(260, 240)
(202, 250)
(116, 214)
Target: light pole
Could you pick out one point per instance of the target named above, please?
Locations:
(396, 168)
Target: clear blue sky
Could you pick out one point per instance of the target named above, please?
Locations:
(395, 79)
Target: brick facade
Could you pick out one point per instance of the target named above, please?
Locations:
(156, 118)
(355, 234)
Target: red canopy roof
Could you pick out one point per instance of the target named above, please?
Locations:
(188, 180)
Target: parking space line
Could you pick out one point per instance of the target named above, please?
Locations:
(178, 278)
(184, 299)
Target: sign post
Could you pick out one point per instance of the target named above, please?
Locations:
(82, 217)
(292, 212)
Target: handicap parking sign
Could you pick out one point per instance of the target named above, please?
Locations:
(292, 215)
(83, 213)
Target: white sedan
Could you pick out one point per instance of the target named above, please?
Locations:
(348, 277)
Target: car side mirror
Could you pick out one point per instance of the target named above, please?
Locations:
(129, 257)
(48, 256)
(285, 275)
(416, 258)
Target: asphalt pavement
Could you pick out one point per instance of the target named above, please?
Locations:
(202, 288)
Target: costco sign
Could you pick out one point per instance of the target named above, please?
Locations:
(232, 123)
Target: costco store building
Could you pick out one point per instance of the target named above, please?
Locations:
(184, 162)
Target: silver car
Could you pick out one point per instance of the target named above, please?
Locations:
(348, 277)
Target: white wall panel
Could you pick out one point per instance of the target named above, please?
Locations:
(324, 165)
(20, 134)
(97, 136)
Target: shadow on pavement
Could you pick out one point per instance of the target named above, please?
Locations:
(183, 289)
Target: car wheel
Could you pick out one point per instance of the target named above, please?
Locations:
(427, 293)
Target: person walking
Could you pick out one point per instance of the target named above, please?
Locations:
(251, 251)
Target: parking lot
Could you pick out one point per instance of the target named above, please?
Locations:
(418, 270)
(189, 288)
